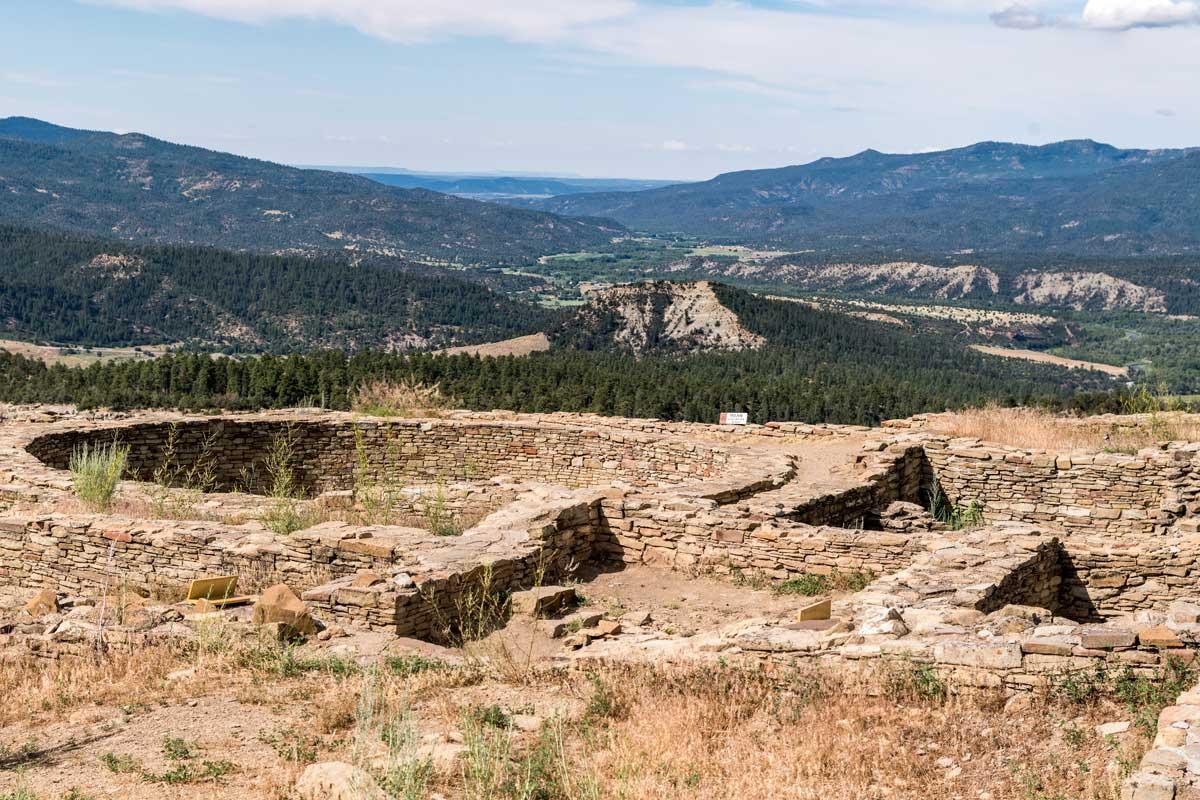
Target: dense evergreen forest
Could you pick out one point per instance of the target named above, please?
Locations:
(776, 383)
(71, 289)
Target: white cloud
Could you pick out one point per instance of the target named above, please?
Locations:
(1019, 16)
(735, 148)
(914, 78)
(1125, 14)
(412, 20)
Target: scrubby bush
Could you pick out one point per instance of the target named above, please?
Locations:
(96, 470)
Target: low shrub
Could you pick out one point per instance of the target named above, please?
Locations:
(96, 470)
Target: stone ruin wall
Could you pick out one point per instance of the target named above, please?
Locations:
(822, 533)
(331, 454)
(558, 542)
(1123, 538)
(1124, 497)
(708, 522)
(1128, 523)
(712, 520)
(76, 553)
(1102, 580)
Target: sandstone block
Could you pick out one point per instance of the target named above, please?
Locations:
(1112, 728)
(607, 627)
(280, 604)
(337, 780)
(1148, 786)
(42, 603)
(365, 580)
(542, 600)
(973, 654)
(1106, 638)
(1158, 636)
(636, 619)
(1184, 612)
(1050, 645)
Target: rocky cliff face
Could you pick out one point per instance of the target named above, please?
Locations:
(1081, 290)
(663, 316)
(1078, 289)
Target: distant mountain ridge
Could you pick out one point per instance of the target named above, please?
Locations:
(134, 186)
(504, 187)
(1075, 197)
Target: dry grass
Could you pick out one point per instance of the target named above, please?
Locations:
(1041, 430)
(136, 505)
(704, 734)
(404, 398)
(45, 692)
(622, 732)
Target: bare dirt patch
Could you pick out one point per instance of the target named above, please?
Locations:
(1048, 358)
(519, 346)
(77, 357)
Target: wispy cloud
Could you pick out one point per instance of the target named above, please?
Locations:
(411, 20)
(1126, 14)
(1019, 16)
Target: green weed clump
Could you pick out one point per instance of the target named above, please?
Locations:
(287, 512)
(916, 682)
(811, 584)
(178, 488)
(438, 516)
(808, 585)
(956, 516)
(96, 470)
(1144, 695)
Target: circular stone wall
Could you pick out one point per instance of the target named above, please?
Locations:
(333, 452)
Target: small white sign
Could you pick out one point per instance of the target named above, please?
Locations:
(735, 418)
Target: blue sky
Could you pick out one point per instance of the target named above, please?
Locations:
(631, 88)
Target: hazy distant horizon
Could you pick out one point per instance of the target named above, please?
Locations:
(654, 89)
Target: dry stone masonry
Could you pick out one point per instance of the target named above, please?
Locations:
(1081, 559)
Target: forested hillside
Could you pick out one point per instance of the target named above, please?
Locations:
(815, 366)
(78, 290)
(1071, 197)
(136, 187)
